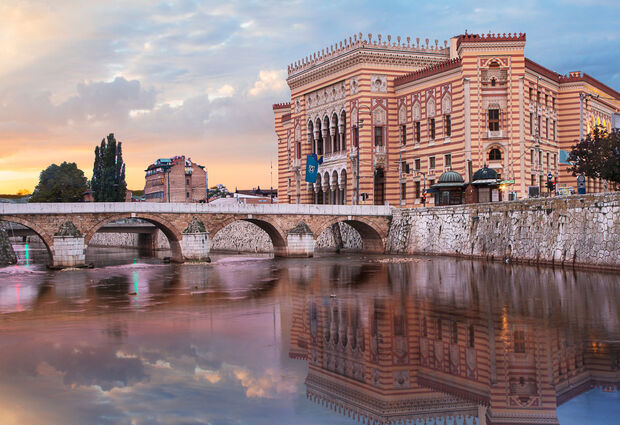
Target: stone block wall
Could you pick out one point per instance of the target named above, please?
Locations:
(69, 251)
(7, 255)
(195, 246)
(300, 245)
(583, 230)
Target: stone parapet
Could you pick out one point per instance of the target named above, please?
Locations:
(182, 208)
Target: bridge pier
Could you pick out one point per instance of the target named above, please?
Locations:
(195, 246)
(300, 241)
(68, 251)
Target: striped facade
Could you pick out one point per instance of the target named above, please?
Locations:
(424, 109)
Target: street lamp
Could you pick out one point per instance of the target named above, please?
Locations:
(424, 186)
(358, 125)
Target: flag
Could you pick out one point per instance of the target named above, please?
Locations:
(319, 159)
(312, 168)
(564, 157)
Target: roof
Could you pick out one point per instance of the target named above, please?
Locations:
(430, 70)
(571, 77)
(485, 173)
(449, 179)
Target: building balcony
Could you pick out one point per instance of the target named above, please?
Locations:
(296, 164)
(334, 157)
(353, 152)
(499, 134)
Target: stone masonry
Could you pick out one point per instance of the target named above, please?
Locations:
(45, 220)
(572, 230)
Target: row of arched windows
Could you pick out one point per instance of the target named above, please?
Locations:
(328, 135)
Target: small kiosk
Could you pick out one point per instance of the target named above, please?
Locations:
(449, 189)
(487, 186)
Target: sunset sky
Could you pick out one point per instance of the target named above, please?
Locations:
(199, 77)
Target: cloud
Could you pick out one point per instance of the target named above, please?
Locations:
(199, 78)
(269, 81)
(270, 385)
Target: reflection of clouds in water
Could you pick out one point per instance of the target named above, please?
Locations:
(271, 384)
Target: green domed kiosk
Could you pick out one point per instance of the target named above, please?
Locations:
(449, 189)
(485, 180)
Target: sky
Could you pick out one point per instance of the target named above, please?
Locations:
(198, 78)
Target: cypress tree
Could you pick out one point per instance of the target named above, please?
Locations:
(108, 182)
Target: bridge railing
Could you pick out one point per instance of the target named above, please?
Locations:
(181, 208)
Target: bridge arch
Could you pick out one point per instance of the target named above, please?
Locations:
(372, 239)
(173, 234)
(273, 230)
(47, 239)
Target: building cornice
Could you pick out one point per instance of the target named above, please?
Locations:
(428, 71)
(364, 56)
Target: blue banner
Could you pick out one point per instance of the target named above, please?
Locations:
(564, 157)
(312, 168)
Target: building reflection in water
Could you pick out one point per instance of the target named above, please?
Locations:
(454, 342)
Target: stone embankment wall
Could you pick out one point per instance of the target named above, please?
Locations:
(582, 230)
(7, 255)
(239, 236)
(128, 240)
(242, 236)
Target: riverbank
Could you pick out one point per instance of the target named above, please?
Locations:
(580, 231)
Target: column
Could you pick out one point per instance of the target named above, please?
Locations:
(300, 241)
(521, 140)
(68, 251)
(195, 246)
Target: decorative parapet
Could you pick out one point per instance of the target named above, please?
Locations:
(490, 37)
(283, 105)
(68, 229)
(582, 76)
(195, 226)
(357, 42)
(425, 72)
(571, 77)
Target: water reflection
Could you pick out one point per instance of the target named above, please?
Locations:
(326, 340)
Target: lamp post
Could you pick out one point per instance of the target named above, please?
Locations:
(424, 185)
(358, 125)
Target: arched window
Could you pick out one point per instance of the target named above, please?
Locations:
(495, 155)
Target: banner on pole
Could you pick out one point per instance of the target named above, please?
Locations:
(312, 168)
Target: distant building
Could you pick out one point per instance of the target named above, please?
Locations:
(175, 179)
(257, 196)
(89, 197)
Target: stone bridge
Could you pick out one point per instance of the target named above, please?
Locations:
(67, 228)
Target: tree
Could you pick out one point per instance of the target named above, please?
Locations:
(597, 156)
(60, 183)
(108, 182)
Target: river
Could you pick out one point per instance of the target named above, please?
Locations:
(335, 339)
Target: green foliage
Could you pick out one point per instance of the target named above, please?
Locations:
(108, 182)
(60, 183)
(597, 156)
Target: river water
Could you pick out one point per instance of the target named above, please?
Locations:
(337, 339)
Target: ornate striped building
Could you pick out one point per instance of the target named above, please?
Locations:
(420, 108)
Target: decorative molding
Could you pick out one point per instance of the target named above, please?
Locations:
(446, 104)
(417, 111)
(378, 83)
(354, 85)
(431, 107)
(402, 115)
(379, 117)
